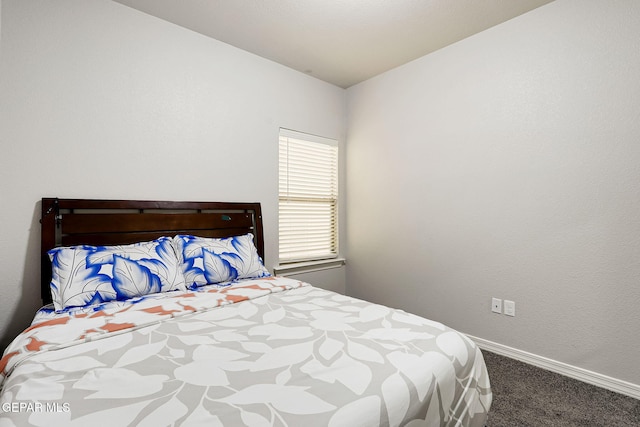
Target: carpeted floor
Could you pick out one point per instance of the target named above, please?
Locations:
(524, 395)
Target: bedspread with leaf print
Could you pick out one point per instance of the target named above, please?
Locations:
(263, 352)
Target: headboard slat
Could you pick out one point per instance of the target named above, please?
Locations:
(75, 223)
(128, 238)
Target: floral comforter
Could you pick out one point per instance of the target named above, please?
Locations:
(266, 352)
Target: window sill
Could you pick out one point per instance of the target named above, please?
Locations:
(308, 267)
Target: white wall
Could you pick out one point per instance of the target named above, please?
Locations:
(98, 100)
(508, 165)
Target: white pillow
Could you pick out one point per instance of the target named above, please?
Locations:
(207, 261)
(87, 275)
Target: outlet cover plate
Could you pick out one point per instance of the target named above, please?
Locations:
(509, 308)
(496, 305)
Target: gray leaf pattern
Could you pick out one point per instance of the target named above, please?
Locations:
(287, 358)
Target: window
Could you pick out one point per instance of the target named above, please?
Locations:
(308, 197)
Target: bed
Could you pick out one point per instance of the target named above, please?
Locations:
(162, 313)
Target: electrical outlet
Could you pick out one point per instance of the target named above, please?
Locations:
(496, 305)
(509, 308)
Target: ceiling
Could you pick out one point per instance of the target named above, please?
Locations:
(342, 42)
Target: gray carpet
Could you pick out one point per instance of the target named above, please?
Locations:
(524, 395)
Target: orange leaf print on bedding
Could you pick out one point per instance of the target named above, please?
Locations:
(35, 344)
(112, 327)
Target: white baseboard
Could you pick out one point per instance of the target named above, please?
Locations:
(590, 377)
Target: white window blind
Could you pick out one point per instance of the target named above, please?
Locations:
(308, 197)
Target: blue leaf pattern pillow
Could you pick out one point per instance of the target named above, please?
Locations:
(208, 261)
(87, 275)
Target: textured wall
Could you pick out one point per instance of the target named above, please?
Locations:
(507, 165)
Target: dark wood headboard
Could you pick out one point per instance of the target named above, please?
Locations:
(68, 222)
